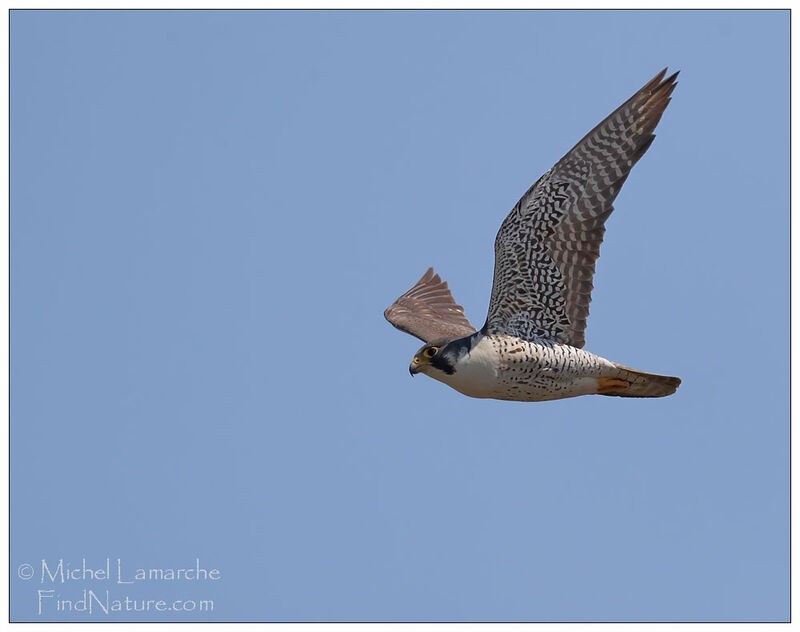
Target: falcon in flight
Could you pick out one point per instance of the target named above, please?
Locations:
(531, 347)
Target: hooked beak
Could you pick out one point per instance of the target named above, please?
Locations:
(415, 367)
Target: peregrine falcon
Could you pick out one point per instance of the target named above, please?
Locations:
(530, 348)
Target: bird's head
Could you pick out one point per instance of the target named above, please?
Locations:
(432, 357)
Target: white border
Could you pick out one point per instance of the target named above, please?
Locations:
(332, 4)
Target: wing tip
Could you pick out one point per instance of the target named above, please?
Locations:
(662, 87)
(431, 278)
(653, 100)
(429, 274)
(658, 81)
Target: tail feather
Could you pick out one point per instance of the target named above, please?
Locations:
(632, 383)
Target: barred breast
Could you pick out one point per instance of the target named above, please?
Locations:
(510, 368)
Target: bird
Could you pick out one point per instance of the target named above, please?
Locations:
(531, 345)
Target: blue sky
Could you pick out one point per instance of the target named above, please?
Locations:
(210, 212)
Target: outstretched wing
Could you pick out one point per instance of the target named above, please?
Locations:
(429, 312)
(546, 249)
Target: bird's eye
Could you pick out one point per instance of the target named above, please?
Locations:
(430, 352)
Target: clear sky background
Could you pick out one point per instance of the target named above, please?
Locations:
(210, 212)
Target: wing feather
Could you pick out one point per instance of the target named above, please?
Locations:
(429, 312)
(546, 249)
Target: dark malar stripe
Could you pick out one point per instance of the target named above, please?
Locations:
(449, 356)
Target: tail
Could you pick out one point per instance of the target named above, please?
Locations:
(632, 383)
